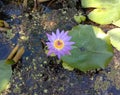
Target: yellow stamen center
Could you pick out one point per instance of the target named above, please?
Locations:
(58, 44)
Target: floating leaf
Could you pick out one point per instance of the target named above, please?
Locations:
(117, 23)
(115, 37)
(10, 62)
(5, 75)
(79, 18)
(106, 12)
(92, 51)
(100, 34)
(99, 3)
(66, 66)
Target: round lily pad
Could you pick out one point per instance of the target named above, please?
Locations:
(90, 50)
(115, 37)
(5, 75)
(105, 12)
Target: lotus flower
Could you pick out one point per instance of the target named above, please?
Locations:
(59, 43)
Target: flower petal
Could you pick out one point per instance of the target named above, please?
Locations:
(61, 34)
(67, 38)
(69, 43)
(65, 50)
(57, 33)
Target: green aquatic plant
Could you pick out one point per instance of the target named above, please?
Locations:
(5, 75)
(104, 12)
(92, 49)
(115, 37)
(79, 18)
(6, 66)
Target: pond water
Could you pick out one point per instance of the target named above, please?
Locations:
(38, 74)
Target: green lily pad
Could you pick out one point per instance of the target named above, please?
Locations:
(66, 66)
(100, 34)
(99, 3)
(5, 75)
(10, 62)
(79, 18)
(105, 12)
(115, 37)
(117, 23)
(92, 51)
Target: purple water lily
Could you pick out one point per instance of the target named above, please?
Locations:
(59, 43)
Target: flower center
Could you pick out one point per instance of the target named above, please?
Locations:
(58, 44)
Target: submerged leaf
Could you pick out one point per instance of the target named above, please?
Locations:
(5, 75)
(92, 51)
(115, 37)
